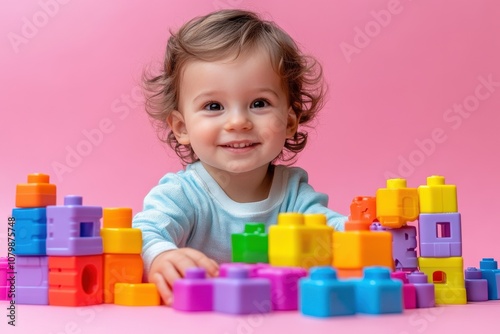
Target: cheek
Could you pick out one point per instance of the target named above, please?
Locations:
(274, 127)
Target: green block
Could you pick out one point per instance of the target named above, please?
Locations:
(251, 246)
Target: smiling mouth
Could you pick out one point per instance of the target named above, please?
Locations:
(239, 145)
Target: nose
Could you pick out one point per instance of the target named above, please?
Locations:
(237, 120)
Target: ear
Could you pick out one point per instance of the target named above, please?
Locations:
(176, 122)
(292, 123)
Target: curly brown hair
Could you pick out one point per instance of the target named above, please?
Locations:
(228, 33)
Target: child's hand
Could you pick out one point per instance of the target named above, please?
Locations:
(172, 264)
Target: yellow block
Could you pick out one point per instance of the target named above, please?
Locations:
(437, 197)
(447, 274)
(358, 249)
(143, 294)
(397, 204)
(300, 240)
(121, 240)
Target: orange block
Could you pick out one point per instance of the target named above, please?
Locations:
(120, 268)
(38, 192)
(75, 280)
(117, 218)
(363, 212)
(144, 294)
(349, 273)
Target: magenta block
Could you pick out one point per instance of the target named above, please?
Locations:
(74, 229)
(194, 292)
(440, 234)
(284, 285)
(404, 244)
(409, 290)
(240, 294)
(252, 267)
(424, 290)
(4, 285)
(475, 285)
(32, 284)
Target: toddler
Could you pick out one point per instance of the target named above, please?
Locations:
(231, 98)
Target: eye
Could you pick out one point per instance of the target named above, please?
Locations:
(260, 103)
(213, 106)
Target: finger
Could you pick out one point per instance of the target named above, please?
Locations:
(184, 261)
(162, 287)
(201, 260)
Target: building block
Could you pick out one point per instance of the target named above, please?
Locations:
(284, 285)
(73, 229)
(397, 204)
(437, 197)
(490, 272)
(240, 294)
(323, 295)
(143, 294)
(409, 290)
(426, 296)
(300, 240)
(75, 280)
(440, 235)
(349, 273)
(252, 268)
(120, 268)
(358, 249)
(38, 192)
(363, 212)
(448, 278)
(475, 285)
(118, 236)
(404, 244)
(4, 283)
(31, 231)
(377, 293)
(251, 246)
(194, 292)
(32, 286)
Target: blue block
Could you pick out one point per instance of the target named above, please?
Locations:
(377, 293)
(490, 272)
(323, 295)
(30, 231)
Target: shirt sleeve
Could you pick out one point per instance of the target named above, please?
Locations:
(166, 221)
(310, 201)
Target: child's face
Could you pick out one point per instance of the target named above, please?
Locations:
(234, 113)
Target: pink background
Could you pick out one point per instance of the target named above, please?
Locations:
(70, 67)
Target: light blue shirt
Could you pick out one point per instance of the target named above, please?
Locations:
(190, 209)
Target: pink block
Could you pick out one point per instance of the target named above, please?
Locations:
(409, 290)
(284, 285)
(194, 292)
(4, 285)
(252, 267)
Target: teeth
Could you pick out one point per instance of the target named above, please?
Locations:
(239, 145)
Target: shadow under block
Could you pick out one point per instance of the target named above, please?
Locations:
(300, 240)
(397, 204)
(73, 229)
(32, 286)
(143, 294)
(437, 197)
(38, 192)
(323, 295)
(448, 278)
(31, 231)
(194, 292)
(120, 268)
(358, 249)
(440, 235)
(75, 280)
(251, 246)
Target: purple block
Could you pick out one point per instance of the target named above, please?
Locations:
(252, 267)
(194, 292)
(425, 291)
(440, 234)
(240, 294)
(404, 244)
(4, 284)
(32, 284)
(475, 285)
(409, 290)
(284, 285)
(74, 229)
